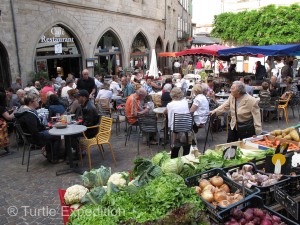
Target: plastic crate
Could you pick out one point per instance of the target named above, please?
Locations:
(212, 210)
(253, 202)
(267, 192)
(65, 209)
(294, 183)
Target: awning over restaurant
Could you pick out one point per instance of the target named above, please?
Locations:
(205, 50)
(167, 54)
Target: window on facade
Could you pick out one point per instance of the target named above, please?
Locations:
(139, 44)
(108, 41)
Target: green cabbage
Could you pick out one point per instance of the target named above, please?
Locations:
(188, 170)
(159, 158)
(172, 166)
(96, 177)
(94, 196)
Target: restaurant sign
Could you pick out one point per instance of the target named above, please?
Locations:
(56, 34)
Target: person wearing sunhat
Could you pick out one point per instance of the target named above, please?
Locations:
(88, 112)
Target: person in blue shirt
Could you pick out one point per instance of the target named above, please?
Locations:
(127, 88)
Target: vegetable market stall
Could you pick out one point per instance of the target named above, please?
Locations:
(182, 190)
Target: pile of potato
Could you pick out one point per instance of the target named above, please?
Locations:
(288, 133)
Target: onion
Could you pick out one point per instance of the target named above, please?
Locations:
(224, 203)
(198, 190)
(207, 196)
(225, 188)
(220, 196)
(203, 183)
(209, 187)
(216, 181)
(266, 222)
(276, 219)
(258, 212)
(237, 213)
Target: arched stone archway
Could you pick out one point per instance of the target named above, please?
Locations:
(167, 60)
(139, 55)
(5, 76)
(168, 47)
(159, 48)
(58, 53)
(109, 53)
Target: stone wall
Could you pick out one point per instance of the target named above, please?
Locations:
(87, 20)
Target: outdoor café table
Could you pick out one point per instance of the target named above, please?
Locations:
(116, 97)
(66, 134)
(222, 95)
(160, 110)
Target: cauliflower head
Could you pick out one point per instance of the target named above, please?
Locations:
(74, 194)
(118, 179)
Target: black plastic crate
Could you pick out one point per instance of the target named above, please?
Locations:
(267, 192)
(194, 181)
(252, 202)
(294, 183)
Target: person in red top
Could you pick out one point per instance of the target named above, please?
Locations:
(48, 87)
(134, 105)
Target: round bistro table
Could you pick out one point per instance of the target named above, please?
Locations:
(66, 134)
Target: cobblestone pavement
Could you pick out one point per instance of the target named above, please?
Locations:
(32, 197)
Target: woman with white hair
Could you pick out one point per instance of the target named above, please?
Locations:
(245, 113)
(178, 105)
(166, 97)
(200, 106)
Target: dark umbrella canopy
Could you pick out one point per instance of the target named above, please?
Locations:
(267, 50)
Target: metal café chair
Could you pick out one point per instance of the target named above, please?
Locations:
(28, 141)
(182, 123)
(147, 125)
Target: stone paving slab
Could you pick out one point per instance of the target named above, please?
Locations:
(25, 195)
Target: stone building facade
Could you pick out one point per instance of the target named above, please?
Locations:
(42, 35)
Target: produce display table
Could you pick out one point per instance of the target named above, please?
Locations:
(214, 177)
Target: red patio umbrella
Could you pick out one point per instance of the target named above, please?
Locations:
(205, 50)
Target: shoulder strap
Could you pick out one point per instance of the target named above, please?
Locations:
(236, 122)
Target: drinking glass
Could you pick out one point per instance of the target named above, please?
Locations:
(58, 116)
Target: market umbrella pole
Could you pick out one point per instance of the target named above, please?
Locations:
(153, 71)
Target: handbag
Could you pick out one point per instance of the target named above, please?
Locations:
(4, 141)
(245, 129)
